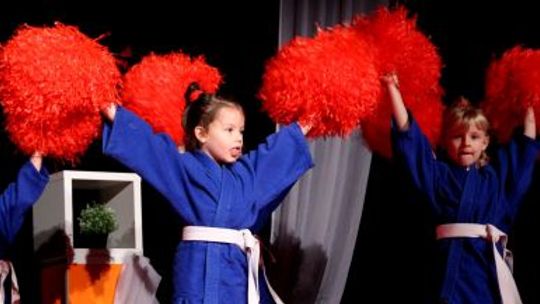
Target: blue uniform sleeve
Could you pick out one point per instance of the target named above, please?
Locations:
(275, 165)
(18, 197)
(413, 150)
(155, 157)
(515, 165)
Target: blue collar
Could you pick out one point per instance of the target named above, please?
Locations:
(213, 168)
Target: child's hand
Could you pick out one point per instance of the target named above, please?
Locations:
(390, 79)
(305, 127)
(396, 101)
(37, 160)
(529, 123)
(109, 111)
(306, 123)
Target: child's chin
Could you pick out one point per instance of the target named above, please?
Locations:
(466, 161)
(231, 160)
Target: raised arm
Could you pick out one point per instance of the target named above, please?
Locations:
(275, 165)
(20, 195)
(409, 143)
(396, 101)
(515, 162)
(155, 157)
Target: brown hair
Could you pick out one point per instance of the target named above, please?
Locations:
(461, 114)
(201, 112)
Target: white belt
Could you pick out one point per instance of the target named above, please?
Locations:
(5, 267)
(243, 239)
(507, 285)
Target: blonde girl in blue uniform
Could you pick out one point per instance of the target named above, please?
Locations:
(473, 201)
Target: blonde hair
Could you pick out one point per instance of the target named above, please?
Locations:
(461, 114)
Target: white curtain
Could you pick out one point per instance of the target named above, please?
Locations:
(314, 231)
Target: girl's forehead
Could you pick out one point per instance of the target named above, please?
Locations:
(474, 127)
(229, 114)
(465, 127)
(229, 111)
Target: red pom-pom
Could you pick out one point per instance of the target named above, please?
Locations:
(53, 81)
(329, 81)
(154, 89)
(512, 85)
(402, 49)
(427, 113)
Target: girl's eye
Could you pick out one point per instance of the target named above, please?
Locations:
(475, 136)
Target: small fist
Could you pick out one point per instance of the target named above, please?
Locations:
(37, 160)
(109, 111)
(390, 79)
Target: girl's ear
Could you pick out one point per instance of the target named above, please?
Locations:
(486, 143)
(201, 134)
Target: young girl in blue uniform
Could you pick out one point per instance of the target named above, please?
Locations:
(221, 195)
(16, 199)
(473, 201)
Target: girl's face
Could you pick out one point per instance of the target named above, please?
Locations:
(224, 137)
(465, 145)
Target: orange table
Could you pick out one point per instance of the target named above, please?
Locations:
(86, 283)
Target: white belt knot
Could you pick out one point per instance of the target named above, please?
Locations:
(507, 285)
(250, 241)
(493, 234)
(247, 243)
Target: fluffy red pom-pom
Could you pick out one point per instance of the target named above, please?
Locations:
(53, 81)
(427, 113)
(512, 84)
(329, 81)
(403, 49)
(155, 89)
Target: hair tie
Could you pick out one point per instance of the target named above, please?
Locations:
(193, 92)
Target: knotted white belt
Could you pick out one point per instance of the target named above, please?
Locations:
(249, 245)
(5, 268)
(507, 285)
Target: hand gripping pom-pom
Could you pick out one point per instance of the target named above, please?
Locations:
(402, 49)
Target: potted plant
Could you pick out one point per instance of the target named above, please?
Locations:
(96, 221)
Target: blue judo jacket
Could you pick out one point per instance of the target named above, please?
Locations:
(204, 193)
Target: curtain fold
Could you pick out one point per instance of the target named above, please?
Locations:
(314, 231)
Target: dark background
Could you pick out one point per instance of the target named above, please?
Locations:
(394, 243)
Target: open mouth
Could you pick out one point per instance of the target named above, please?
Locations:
(236, 151)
